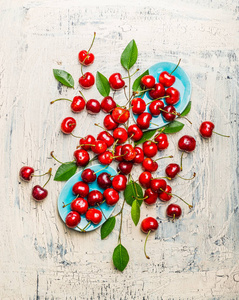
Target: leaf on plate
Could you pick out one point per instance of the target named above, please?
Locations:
(64, 77)
(136, 85)
(129, 55)
(102, 84)
(107, 227)
(135, 212)
(187, 109)
(146, 136)
(65, 171)
(120, 257)
(133, 191)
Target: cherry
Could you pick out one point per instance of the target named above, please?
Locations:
(174, 96)
(157, 185)
(119, 182)
(139, 156)
(104, 180)
(68, 125)
(169, 113)
(94, 215)
(147, 81)
(187, 143)
(26, 173)
(125, 167)
(39, 193)
(162, 141)
(149, 165)
(166, 195)
(88, 176)
(72, 219)
(77, 104)
(147, 226)
(80, 189)
(128, 152)
(80, 205)
(167, 79)
(93, 106)
(105, 158)
(99, 147)
(173, 211)
(120, 115)
(150, 149)
(118, 154)
(157, 91)
(145, 179)
(150, 197)
(111, 196)
(155, 107)
(206, 130)
(86, 142)
(143, 120)
(85, 57)
(116, 82)
(106, 137)
(82, 157)
(138, 106)
(134, 132)
(87, 80)
(109, 123)
(108, 104)
(95, 197)
(121, 135)
(172, 170)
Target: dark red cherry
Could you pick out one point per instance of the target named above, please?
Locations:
(157, 91)
(149, 224)
(86, 142)
(147, 81)
(166, 79)
(39, 193)
(106, 137)
(125, 167)
(150, 149)
(120, 115)
(105, 158)
(139, 155)
(172, 170)
(87, 80)
(187, 143)
(26, 173)
(157, 185)
(174, 211)
(162, 141)
(121, 135)
(68, 125)
(119, 183)
(143, 120)
(94, 215)
(111, 196)
(109, 123)
(145, 179)
(165, 196)
(155, 107)
(169, 113)
(116, 82)
(134, 132)
(86, 58)
(80, 189)
(104, 180)
(80, 205)
(149, 165)
(72, 219)
(99, 147)
(174, 96)
(88, 175)
(128, 152)
(108, 104)
(93, 106)
(77, 104)
(118, 153)
(206, 129)
(82, 157)
(150, 197)
(138, 106)
(95, 197)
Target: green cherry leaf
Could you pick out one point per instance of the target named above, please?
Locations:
(173, 127)
(129, 55)
(133, 191)
(187, 109)
(136, 85)
(64, 77)
(102, 84)
(146, 136)
(120, 257)
(107, 227)
(135, 212)
(65, 171)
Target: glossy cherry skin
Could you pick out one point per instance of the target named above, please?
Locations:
(149, 165)
(139, 158)
(111, 196)
(39, 193)
(116, 82)
(155, 107)
(166, 79)
(80, 189)
(143, 120)
(82, 157)
(125, 167)
(206, 129)
(80, 205)
(26, 173)
(95, 197)
(164, 196)
(104, 180)
(86, 58)
(174, 96)
(118, 153)
(145, 179)
(72, 219)
(109, 123)
(106, 137)
(150, 197)
(121, 135)
(170, 113)
(128, 152)
(87, 80)
(173, 211)
(105, 158)
(134, 132)
(108, 104)
(94, 215)
(162, 141)
(88, 175)
(119, 183)
(150, 149)
(77, 104)
(99, 147)
(157, 185)
(86, 142)
(147, 81)
(68, 125)
(187, 143)
(120, 115)
(93, 106)
(149, 224)
(157, 91)
(139, 106)
(172, 170)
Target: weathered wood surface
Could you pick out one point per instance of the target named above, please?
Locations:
(194, 258)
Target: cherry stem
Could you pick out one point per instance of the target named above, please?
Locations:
(83, 96)
(78, 137)
(126, 96)
(100, 170)
(92, 42)
(131, 74)
(64, 205)
(102, 128)
(221, 134)
(175, 114)
(175, 67)
(115, 175)
(145, 245)
(101, 210)
(113, 148)
(83, 230)
(60, 161)
(41, 174)
(171, 156)
(120, 155)
(91, 145)
(181, 163)
(122, 114)
(171, 194)
(194, 174)
(141, 92)
(121, 219)
(157, 99)
(50, 174)
(162, 177)
(60, 100)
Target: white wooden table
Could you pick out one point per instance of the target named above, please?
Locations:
(194, 258)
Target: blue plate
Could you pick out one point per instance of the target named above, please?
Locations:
(182, 84)
(66, 196)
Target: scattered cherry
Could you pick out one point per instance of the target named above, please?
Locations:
(94, 215)
(157, 185)
(206, 130)
(87, 80)
(85, 57)
(111, 196)
(162, 141)
(116, 82)
(26, 173)
(128, 152)
(72, 219)
(82, 157)
(145, 179)
(150, 149)
(99, 147)
(68, 125)
(110, 123)
(86, 142)
(88, 175)
(139, 158)
(138, 106)
(121, 135)
(174, 211)
(106, 158)
(119, 182)
(77, 104)
(147, 226)
(172, 170)
(39, 193)
(134, 132)
(118, 154)
(150, 197)
(166, 195)
(149, 165)
(104, 180)
(80, 189)
(120, 115)
(155, 107)
(93, 106)
(143, 120)
(125, 167)
(167, 79)
(169, 113)
(80, 205)
(106, 137)
(108, 104)
(187, 143)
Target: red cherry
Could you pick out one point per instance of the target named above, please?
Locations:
(104, 180)
(121, 135)
(82, 157)
(125, 167)
(88, 176)
(109, 123)
(149, 165)
(39, 193)
(105, 158)
(86, 142)
(68, 125)
(157, 185)
(111, 196)
(150, 149)
(172, 170)
(119, 183)
(147, 81)
(145, 179)
(80, 205)
(157, 91)
(166, 79)
(26, 173)
(174, 96)
(173, 211)
(86, 58)
(80, 189)
(187, 143)
(206, 129)
(155, 107)
(134, 132)
(169, 113)
(120, 115)
(128, 152)
(149, 224)
(164, 196)
(99, 147)
(87, 80)
(77, 104)
(116, 82)
(106, 137)
(162, 141)
(138, 106)
(139, 155)
(118, 153)
(93, 106)
(94, 215)
(72, 219)
(143, 120)
(150, 197)
(108, 104)
(95, 197)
